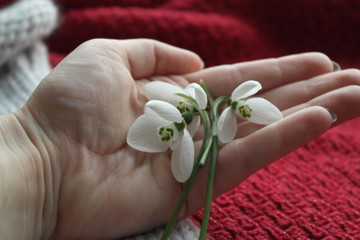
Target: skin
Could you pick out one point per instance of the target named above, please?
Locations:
(65, 164)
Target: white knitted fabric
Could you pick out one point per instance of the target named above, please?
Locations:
(23, 57)
(183, 230)
(24, 63)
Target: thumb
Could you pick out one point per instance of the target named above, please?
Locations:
(147, 58)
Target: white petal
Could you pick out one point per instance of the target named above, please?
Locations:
(164, 110)
(194, 125)
(197, 92)
(264, 112)
(142, 135)
(226, 126)
(163, 91)
(245, 90)
(182, 160)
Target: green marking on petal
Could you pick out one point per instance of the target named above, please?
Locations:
(245, 111)
(170, 132)
(166, 134)
(241, 109)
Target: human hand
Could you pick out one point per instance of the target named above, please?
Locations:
(97, 187)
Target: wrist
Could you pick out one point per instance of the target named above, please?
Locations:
(23, 181)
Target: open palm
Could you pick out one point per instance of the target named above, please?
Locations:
(100, 188)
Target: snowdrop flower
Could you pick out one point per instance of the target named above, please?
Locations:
(167, 92)
(160, 127)
(256, 110)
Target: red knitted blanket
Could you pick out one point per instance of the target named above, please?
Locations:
(312, 193)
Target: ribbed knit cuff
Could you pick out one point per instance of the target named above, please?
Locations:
(23, 58)
(24, 23)
(20, 76)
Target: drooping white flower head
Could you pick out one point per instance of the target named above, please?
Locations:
(160, 127)
(256, 110)
(168, 93)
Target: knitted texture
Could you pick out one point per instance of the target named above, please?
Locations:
(225, 31)
(23, 58)
(183, 230)
(311, 193)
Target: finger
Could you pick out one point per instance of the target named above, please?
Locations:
(271, 73)
(146, 58)
(328, 93)
(344, 101)
(303, 91)
(240, 158)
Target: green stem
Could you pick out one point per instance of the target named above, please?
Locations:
(212, 168)
(207, 145)
(210, 188)
(205, 153)
(206, 122)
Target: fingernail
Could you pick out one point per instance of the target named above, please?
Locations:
(332, 114)
(336, 66)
